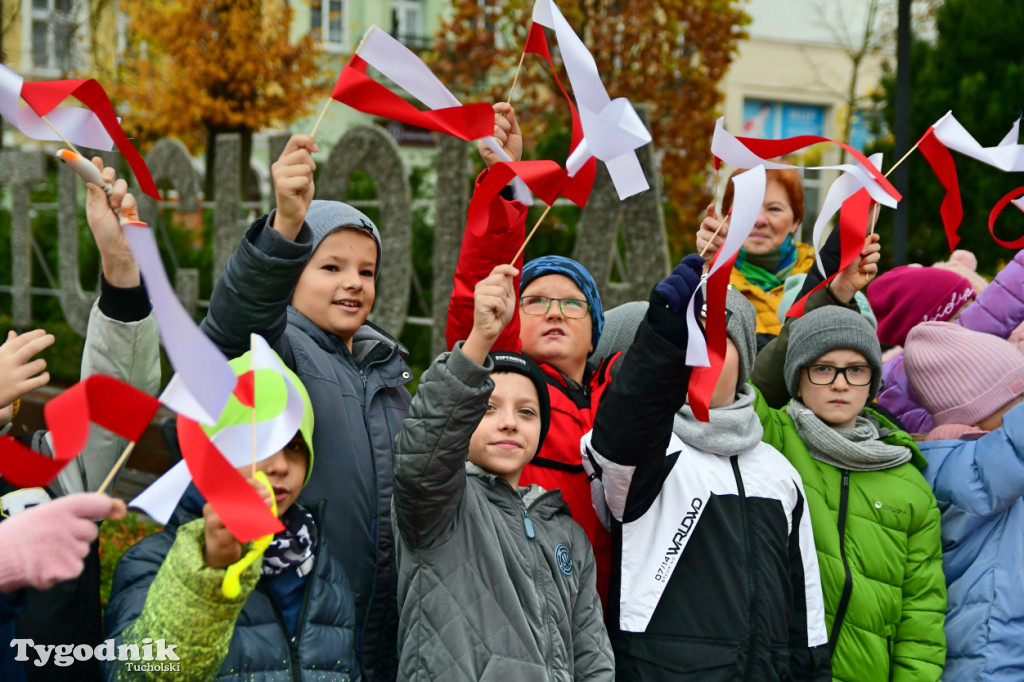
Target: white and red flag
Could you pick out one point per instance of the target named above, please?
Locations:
(1008, 156)
(96, 127)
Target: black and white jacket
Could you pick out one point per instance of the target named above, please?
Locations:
(715, 574)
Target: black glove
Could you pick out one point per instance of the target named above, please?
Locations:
(674, 291)
(670, 296)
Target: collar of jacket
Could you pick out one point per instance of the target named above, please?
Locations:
(369, 342)
(191, 507)
(544, 503)
(897, 436)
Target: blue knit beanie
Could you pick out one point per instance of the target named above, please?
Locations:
(324, 217)
(560, 265)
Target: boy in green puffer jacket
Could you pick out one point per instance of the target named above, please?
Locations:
(875, 518)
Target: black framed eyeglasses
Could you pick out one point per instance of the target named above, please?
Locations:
(539, 305)
(824, 375)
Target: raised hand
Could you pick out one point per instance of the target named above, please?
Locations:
(506, 131)
(706, 234)
(856, 276)
(494, 304)
(19, 373)
(674, 291)
(221, 548)
(293, 184)
(119, 266)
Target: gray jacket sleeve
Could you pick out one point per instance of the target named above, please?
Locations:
(432, 447)
(594, 659)
(129, 351)
(253, 294)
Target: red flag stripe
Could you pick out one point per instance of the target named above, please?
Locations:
(236, 502)
(44, 96)
(768, 149)
(99, 399)
(703, 379)
(362, 93)
(996, 210)
(941, 160)
(853, 220)
(583, 181)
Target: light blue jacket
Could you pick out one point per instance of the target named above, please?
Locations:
(979, 486)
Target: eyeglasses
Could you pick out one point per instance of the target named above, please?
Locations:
(540, 305)
(824, 375)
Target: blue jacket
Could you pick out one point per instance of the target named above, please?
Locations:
(979, 486)
(263, 644)
(359, 401)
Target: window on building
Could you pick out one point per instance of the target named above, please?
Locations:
(407, 23)
(326, 21)
(52, 30)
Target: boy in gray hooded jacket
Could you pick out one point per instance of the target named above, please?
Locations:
(496, 582)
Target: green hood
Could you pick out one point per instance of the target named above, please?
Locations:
(271, 397)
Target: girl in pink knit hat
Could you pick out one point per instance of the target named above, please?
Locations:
(972, 384)
(906, 296)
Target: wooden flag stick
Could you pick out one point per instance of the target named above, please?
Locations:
(253, 431)
(874, 218)
(66, 141)
(117, 466)
(322, 112)
(530, 236)
(712, 240)
(328, 102)
(902, 158)
(516, 79)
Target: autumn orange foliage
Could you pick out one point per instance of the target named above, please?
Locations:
(194, 68)
(668, 56)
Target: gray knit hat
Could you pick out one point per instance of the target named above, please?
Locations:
(621, 323)
(324, 217)
(741, 326)
(827, 329)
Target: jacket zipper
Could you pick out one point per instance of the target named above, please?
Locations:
(295, 670)
(373, 460)
(844, 600)
(292, 642)
(734, 460)
(528, 530)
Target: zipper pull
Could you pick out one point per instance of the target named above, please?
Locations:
(528, 526)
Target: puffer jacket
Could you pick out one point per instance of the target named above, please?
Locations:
(716, 576)
(879, 551)
(359, 400)
(998, 311)
(495, 583)
(558, 465)
(163, 589)
(980, 489)
(766, 303)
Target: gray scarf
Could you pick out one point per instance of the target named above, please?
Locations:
(733, 429)
(857, 449)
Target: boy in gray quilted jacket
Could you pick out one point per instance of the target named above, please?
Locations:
(496, 582)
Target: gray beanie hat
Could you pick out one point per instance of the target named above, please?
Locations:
(827, 329)
(324, 217)
(621, 323)
(741, 326)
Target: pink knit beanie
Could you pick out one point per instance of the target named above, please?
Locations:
(959, 375)
(911, 294)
